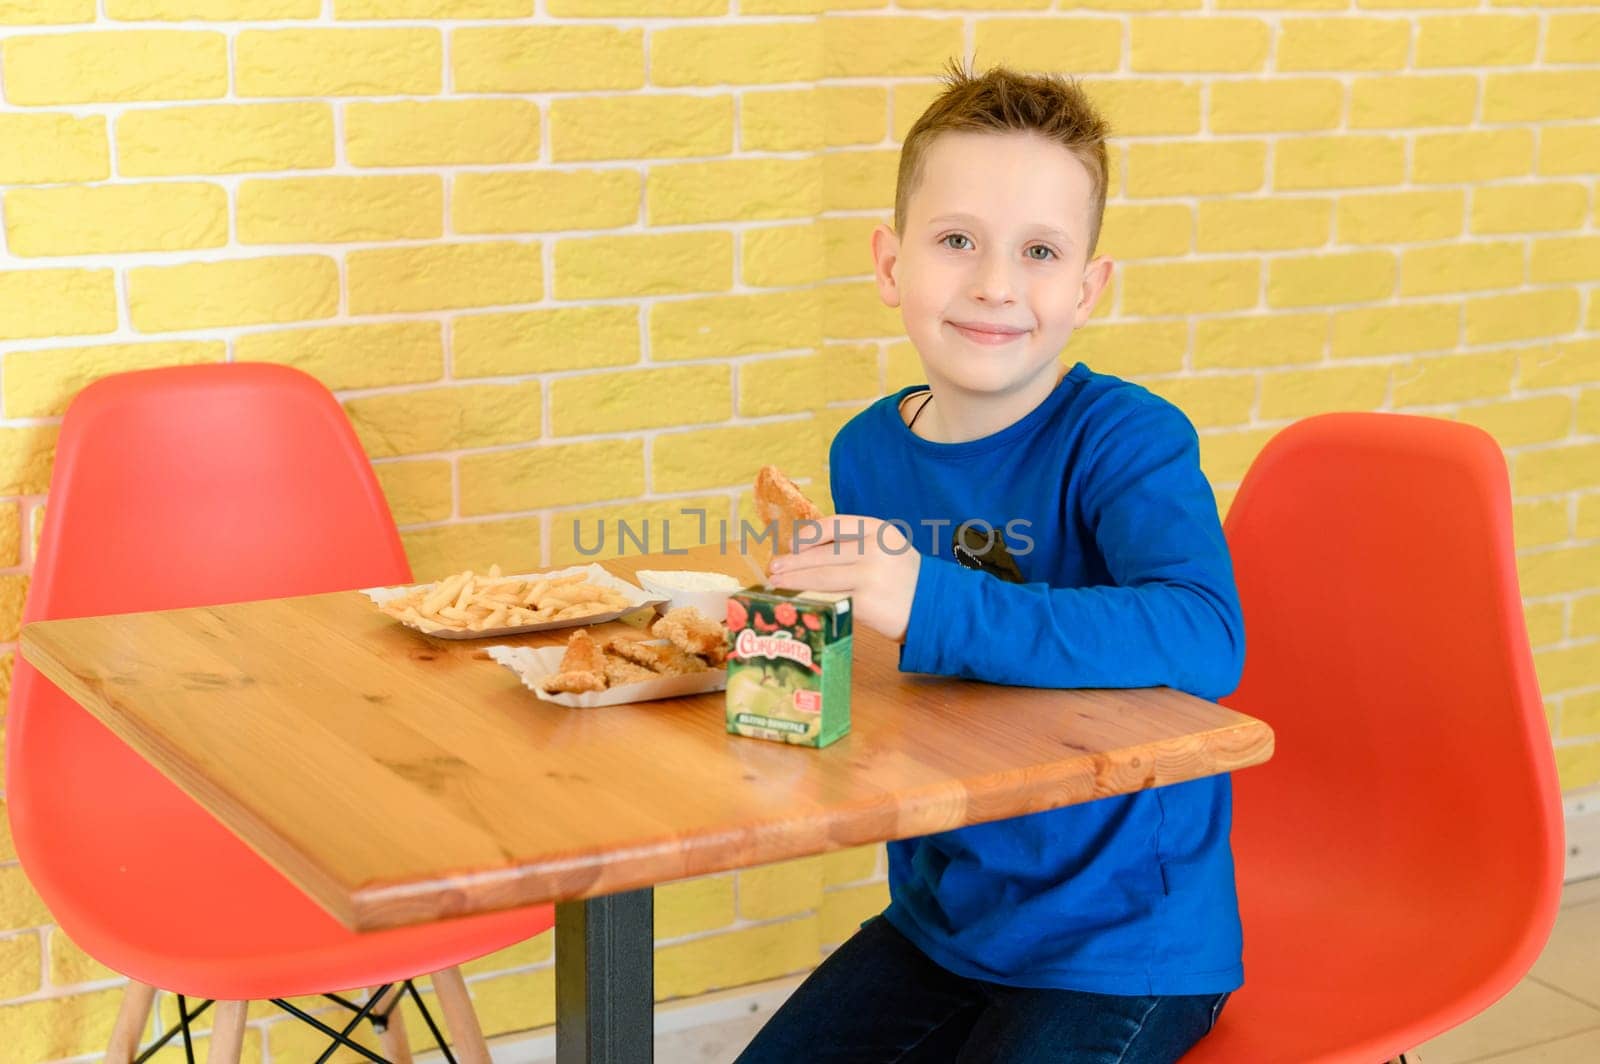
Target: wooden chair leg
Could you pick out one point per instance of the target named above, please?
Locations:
(466, 1037)
(227, 1032)
(393, 1041)
(131, 1020)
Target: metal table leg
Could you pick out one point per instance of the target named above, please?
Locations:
(605, 979)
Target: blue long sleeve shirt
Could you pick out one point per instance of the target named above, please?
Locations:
(1119, 577)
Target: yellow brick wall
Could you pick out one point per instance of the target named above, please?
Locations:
(571, 260)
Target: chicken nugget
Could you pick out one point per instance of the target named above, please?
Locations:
(676, 661)
(583, 654)
(694, 632)
(583, 667)
(634, 650)
(663, 659)
(575, 683)
(620, 670)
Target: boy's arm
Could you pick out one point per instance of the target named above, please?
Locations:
(1173, 618)
(839, 486)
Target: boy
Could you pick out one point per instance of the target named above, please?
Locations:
(1051, 530)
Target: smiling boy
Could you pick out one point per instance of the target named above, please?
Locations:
(1015, 523)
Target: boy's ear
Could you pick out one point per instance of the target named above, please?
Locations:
(886, 260)
(1096, 279)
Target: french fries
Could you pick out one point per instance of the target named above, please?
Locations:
(470, 602)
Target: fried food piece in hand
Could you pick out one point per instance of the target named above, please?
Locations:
(694, 632)
(780, 503)
(661, 659)
(583, 667)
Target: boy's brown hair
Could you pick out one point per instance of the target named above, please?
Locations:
(1005, 101)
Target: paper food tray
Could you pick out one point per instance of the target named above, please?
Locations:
(593, 572)
(533, 664)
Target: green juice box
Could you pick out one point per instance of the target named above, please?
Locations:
(789, 665)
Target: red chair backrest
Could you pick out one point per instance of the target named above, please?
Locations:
(187, 486)
(1386, 646)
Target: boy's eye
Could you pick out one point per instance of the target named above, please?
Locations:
(1049, 253)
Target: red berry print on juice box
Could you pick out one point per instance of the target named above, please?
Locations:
(737, 616)
(813, 622)
(784, 614)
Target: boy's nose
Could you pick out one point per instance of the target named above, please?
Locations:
(993, 283)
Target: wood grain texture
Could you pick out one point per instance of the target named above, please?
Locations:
(133, 1016)
(227, 1032)
(393, 1043)
(466, 1038)
(398, 778)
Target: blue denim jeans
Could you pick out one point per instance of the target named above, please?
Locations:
(880, 1000)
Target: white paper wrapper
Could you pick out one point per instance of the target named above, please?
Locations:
(533, 664)
(593, 572)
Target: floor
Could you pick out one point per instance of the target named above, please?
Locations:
(1553, 1015)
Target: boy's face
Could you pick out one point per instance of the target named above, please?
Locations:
(996, 238)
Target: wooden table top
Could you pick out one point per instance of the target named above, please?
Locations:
(398, 778)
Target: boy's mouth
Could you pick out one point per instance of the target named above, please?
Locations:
(988, 335)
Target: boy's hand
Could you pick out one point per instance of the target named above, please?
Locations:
(868, 559)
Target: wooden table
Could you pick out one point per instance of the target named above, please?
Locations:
(453, 790)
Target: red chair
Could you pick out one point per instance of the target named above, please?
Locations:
(181, 487)
(1400, 857)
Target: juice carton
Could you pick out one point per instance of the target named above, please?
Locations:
(789, 669)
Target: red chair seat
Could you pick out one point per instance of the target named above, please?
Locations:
(179, 487)
(1400, 857)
